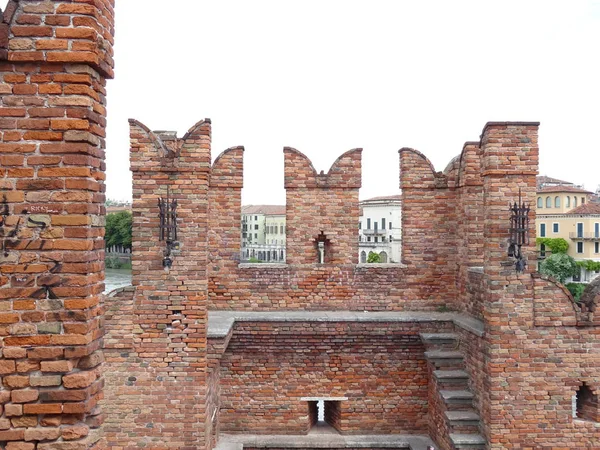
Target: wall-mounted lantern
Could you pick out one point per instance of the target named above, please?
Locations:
(519, 232)
(168, 229)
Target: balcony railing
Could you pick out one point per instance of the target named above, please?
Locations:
(373, 244)
(371, 232)
(590, 236)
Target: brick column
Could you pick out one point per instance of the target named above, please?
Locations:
(55, 58)
(469, 234)
(428, 224)
(225, 204)
(325, 203)
(509, 164)
(170, 307)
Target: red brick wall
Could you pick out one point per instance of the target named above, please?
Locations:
(322, 203)
(164, 376)
(428, 224)
(469, 228)
(329, 203)
(55, 58)
(267, 368)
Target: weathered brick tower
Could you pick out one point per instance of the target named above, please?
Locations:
(55, 57)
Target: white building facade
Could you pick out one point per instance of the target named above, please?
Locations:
(380, 229)
(263, 233)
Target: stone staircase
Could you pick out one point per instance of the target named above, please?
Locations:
(453, 387)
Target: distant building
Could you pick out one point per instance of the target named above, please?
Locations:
(118, 207)
(567, 211)
(380, 228)
(263, 233)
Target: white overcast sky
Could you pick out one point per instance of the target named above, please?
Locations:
(327, 76)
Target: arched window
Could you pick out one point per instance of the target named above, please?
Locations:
(574, 202)
(540, 202)
(383, 257)
(557, 202)
(548, 202)
(568, 202)
(363, 257)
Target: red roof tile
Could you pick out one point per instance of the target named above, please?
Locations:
(586, 208)
(563, 189)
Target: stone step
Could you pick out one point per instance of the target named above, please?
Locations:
(444, 354)
(459, 397)
(467, 441)
(463, 417)
(439, 338)
(451, 376)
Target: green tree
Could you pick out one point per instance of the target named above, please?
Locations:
(373, 257)
(560, 266)
(118, 229)
(555, 245)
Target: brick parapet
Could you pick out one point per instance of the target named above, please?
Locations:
(169, 338)
(55, 58)
(322, 204)
(428, 219)
(225, 204)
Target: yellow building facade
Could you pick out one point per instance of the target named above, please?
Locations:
(570, 212)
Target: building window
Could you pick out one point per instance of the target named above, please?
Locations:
(596, 247)
(375, 226)
(574, 202)
(557, 202)
(542, 251)
(376, 239)
(256, 227)
(255, 217)
(542, 230)
(363, 257)
(540, 203)
(597, 230)
(390, 226)
(555, 227)
(383, 257)
(368, 224)
(281, 229)
(568, 201)
(548, 202)
(368, 238)
(580, 247)
(583, 200)
(579, 229)
(255, 236)
(391, 238)
(383, 224)
(360, 225)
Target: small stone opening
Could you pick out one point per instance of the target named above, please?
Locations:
(586, 406)
(324, 415)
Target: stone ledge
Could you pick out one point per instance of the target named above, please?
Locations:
(318, 441)
(221, 322)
